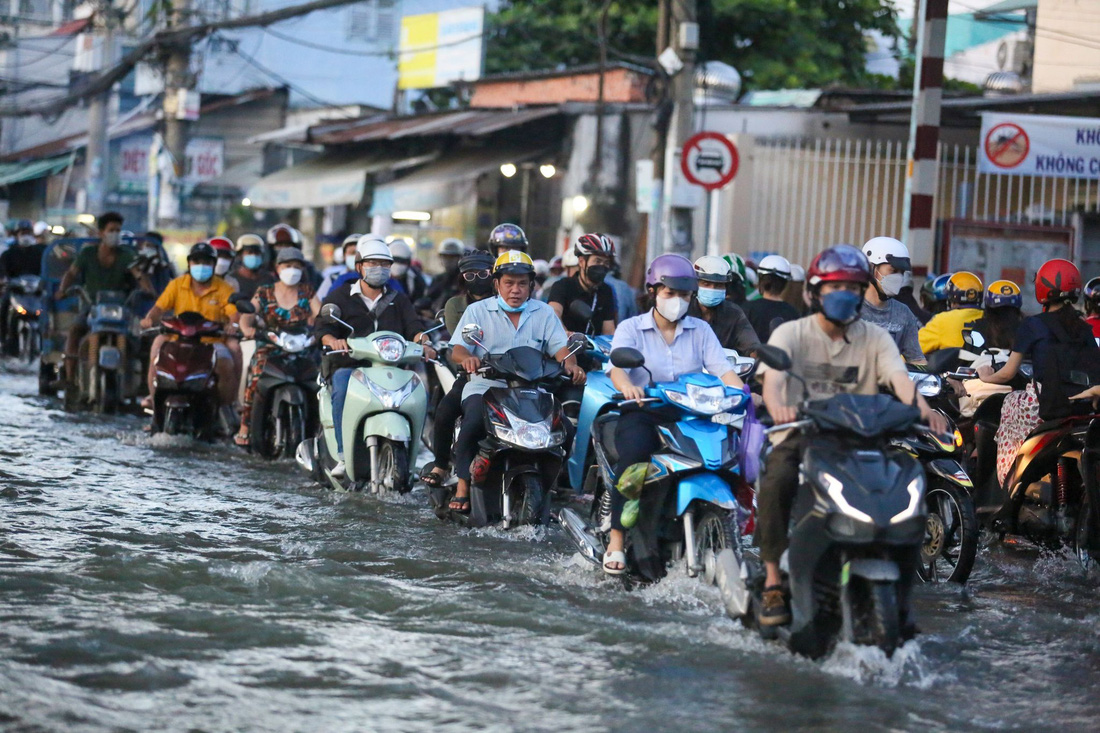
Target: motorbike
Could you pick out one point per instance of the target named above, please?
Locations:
(440, 376)
(185, 399)
(688, 488)
(383, 416)
(26, 307)
(858, 525)
(518, 463)
(107, 370)
(284, 410)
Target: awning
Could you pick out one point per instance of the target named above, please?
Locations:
(331, 179)
(446, 182)
(17, 172)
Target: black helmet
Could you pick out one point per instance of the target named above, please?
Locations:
(202, 251)
(476, 261)
(24, 225)
(507, 236)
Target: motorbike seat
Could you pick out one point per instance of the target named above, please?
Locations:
(605, 433)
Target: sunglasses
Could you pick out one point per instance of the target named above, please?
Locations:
(479, 275)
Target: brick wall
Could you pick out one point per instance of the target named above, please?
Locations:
(620, 86)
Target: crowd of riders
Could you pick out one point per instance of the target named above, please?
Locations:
(849, 322)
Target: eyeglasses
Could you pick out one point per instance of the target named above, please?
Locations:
(478, 275)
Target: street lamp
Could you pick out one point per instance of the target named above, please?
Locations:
(508, 170)
(580, 204)
(246, 201)
(547, 170)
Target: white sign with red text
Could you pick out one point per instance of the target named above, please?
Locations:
(1040, 145)
(205, 161)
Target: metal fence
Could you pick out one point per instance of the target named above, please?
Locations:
(810, 193)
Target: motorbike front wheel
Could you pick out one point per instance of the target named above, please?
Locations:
(393, 467)
(715, 530)
(294, 429)
(1081, 535)
(534, 499)
(107, 397)
(173, 420)
(950, 536)
(875, 614)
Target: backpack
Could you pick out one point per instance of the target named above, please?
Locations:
(1066, 363)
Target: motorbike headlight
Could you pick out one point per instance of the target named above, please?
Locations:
(389, 348)
(835, 489)
(529, 435)
(294, 342)
(916, 492)
(112, 312)
(704, 400)
(929, 385)
(391, 399)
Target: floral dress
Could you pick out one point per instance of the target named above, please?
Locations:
(1019, 416)
(275, 318)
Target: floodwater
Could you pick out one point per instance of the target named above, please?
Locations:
(164, 585)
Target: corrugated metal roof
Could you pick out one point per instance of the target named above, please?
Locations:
(461, 123)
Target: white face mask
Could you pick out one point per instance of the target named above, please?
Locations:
(222, 266)
(399, 269)
(290, 275)
(337, 256)
(891, 285)
(672, 308)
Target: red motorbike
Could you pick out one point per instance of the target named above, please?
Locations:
(186, 398)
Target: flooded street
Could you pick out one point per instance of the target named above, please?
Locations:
(173, 586)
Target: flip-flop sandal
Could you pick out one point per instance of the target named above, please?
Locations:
(432, 479)
(610, 557)
(242, 441)
(463, 504)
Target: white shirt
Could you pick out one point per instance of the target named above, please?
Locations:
(369, 302)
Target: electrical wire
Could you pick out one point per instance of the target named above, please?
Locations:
(273, 75)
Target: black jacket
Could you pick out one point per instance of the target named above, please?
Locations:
(394, 312)
(731, 326)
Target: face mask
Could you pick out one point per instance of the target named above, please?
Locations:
(26, 239)
(597, 273)
(337, 256)
(222, 266)
(111, 239)
(509, 309)
(201, 273)
(376, 277)
(842, 306)
(290, 275)
(891, 285)
(480, 288)
(399, 269)
(711, 297)
(150, 253)
(672, 308)
(253, 262)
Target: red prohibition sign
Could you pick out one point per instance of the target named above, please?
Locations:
(1007, 145)
(712, 166)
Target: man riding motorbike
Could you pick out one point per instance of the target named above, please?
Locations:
(100, 268)
(729, 322)
(964, 300)
(200, 291)
(774, 273)
(506, 238)
(446, 284)
(596, 254)
(408, 278)
(250, 271)
(343, 262)
(509, 320)
(673, 344)
(23, 258)
(889, 260)
(367, 305)
(835, 352)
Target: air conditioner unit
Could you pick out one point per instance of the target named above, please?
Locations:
(1015, 54)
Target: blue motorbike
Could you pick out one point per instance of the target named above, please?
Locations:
(686, 510)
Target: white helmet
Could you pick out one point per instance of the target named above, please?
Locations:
(351, 239)
(881, 250)
(750, 275)
(40, 228)
(776, 265)
(273, 232)
(569, 258)
(542, 267)
(372, 248)
(249, 240)
(451, 247)
(798, 273)
(400, 250)
(713, 269)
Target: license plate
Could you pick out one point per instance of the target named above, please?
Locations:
(726, 418)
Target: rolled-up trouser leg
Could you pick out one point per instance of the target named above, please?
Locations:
(778, 489)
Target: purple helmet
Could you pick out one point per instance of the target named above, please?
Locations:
(673, 271)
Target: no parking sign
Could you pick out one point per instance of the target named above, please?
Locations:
(709, 159)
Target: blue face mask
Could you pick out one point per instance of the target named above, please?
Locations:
(509, 309)
(842, 306)
(202, 273)
(710, 297)
(253, 262)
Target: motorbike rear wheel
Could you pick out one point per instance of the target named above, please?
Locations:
(875, 614)
(173, 420)
(393, 467)
(1081, 535)
(951, 535)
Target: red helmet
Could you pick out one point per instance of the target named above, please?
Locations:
(221, 244)
(594, 244)
(1057, 281)
(839, 263)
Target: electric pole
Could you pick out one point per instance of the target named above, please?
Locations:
(97, 156)
(177, 79)
(677, 220)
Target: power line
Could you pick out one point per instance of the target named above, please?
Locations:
(281, 80)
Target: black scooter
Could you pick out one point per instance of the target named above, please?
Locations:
(858, 524)
(23, 330)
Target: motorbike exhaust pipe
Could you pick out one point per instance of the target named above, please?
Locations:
(587, 543)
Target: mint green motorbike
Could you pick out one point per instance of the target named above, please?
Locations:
(382, 421)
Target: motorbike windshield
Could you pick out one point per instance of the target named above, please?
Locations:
(868, 416)
(526, 364)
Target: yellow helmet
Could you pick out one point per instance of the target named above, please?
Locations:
(513, 262)
(1003, 293)
(964, 288)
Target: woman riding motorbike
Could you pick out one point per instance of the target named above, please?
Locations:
(673, 344)
(288, 304)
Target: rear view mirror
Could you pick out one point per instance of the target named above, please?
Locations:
(942, 360)
(580, 310)
(440, 315)
(331, 311)
(774, 357)
(625, 357)
(472, 334)
(245, 306)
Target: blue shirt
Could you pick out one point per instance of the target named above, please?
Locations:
(694, 348)
(539, 327)
(625, 297)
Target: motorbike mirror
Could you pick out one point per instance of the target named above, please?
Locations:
(245, 306)
(440, 315)
(974, 338)
(576, 342)
(580, 310)
(472, 334)
(941, 360)
(625, 357)
(331, 311)
(774, 357)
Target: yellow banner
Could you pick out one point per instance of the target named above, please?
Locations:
(417, 51)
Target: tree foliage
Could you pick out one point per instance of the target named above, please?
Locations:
(773, 43)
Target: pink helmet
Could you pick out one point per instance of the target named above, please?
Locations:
(673, 271)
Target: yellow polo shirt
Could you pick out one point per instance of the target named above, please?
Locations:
(213, 305)
(945, 330)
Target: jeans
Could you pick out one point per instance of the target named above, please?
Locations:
(340, 380)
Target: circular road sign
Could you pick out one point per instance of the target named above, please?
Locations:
(709, 159)
(1006, 145)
